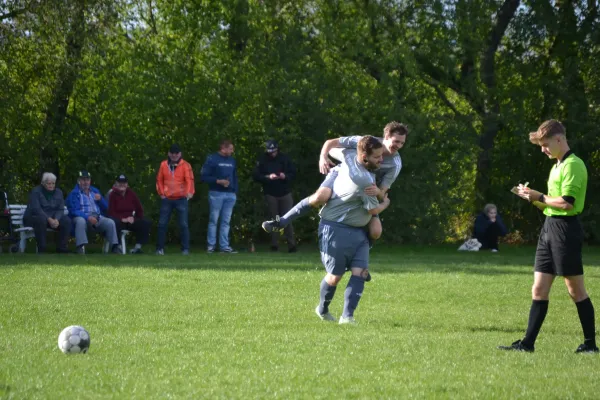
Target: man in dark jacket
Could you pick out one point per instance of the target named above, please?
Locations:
(276, 171)
(125, 208)
(46, 209)
(489, 227)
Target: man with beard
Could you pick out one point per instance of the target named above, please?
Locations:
(394, 137)
(343, 240)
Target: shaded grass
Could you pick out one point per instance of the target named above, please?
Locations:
(234, 326)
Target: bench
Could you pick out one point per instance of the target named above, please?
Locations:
(17, 211)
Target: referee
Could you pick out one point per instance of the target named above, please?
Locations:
(559, 246)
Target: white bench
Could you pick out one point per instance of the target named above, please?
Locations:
(17, 211)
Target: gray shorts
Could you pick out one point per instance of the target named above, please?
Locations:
(342, 247)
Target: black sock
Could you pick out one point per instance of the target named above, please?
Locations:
(585, 309)
(537, 314)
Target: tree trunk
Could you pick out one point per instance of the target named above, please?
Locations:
(491, 116)
(57, 110)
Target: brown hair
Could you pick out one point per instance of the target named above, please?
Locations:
(366, 145)
(395, 128)
(225, 143)
(547, 129)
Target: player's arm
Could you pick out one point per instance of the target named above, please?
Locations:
(385, 203)
(542, 201)
(324, 163)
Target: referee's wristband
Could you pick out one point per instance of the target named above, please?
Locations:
(542, 198)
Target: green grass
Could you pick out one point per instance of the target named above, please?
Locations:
(243, 326)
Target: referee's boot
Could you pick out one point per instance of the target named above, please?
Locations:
(272, 225)
(586, 348)
(518, 346)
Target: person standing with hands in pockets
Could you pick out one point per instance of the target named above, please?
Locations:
(220, 172)
(175, 186)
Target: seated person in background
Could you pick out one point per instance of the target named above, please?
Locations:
(46, 209)
(86, 207)
(489, 227)
(125, 208)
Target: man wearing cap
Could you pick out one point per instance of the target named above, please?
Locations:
(275, 171)
(86, 207)
(125, 208)
(175, 186)
(220, 172)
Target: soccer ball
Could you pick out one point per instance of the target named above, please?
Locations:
(74, 339)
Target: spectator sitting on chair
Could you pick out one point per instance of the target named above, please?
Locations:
(489, 227)
(125, 208)
(86, 205)
(46, 210)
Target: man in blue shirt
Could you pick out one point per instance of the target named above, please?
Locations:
(220, 172)
(87, 209)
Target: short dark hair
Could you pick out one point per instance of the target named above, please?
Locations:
(367, 144)
(547, 129)
(225, 143)
(395, 128)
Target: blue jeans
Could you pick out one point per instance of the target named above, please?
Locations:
(166, 208)
(221, 206)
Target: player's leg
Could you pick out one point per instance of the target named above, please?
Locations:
(544, 274)
(375, 228)
(334, 262)
(570, 265)
(359, 262)
(315, 200)
(585, 310)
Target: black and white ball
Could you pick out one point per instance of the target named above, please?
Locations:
(74, 339)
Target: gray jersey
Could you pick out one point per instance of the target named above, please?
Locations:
(349, 204)
(385, 175)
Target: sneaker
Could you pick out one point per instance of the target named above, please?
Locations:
(185, 252)
(348, 320)
(136, 251)
(117, 249)
(210, 250)
(160, 252)
(292, 249)
(274, 248)
(494, 250)
(81, 249)
(325, 317)
(229, 250)
(586, 348)
(272, 226)
(518, 346)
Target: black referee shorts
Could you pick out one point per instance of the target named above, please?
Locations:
(559, 247)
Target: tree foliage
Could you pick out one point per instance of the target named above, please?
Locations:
(109, 85)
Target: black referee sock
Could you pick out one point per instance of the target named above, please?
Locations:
(585, 309)
(537, 314)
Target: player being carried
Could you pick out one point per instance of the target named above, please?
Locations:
(344, 149)
(343, 241)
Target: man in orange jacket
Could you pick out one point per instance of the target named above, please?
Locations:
(175, 186)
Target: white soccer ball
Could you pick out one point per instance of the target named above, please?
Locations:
(74, 339)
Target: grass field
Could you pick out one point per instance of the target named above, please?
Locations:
(243, 326)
